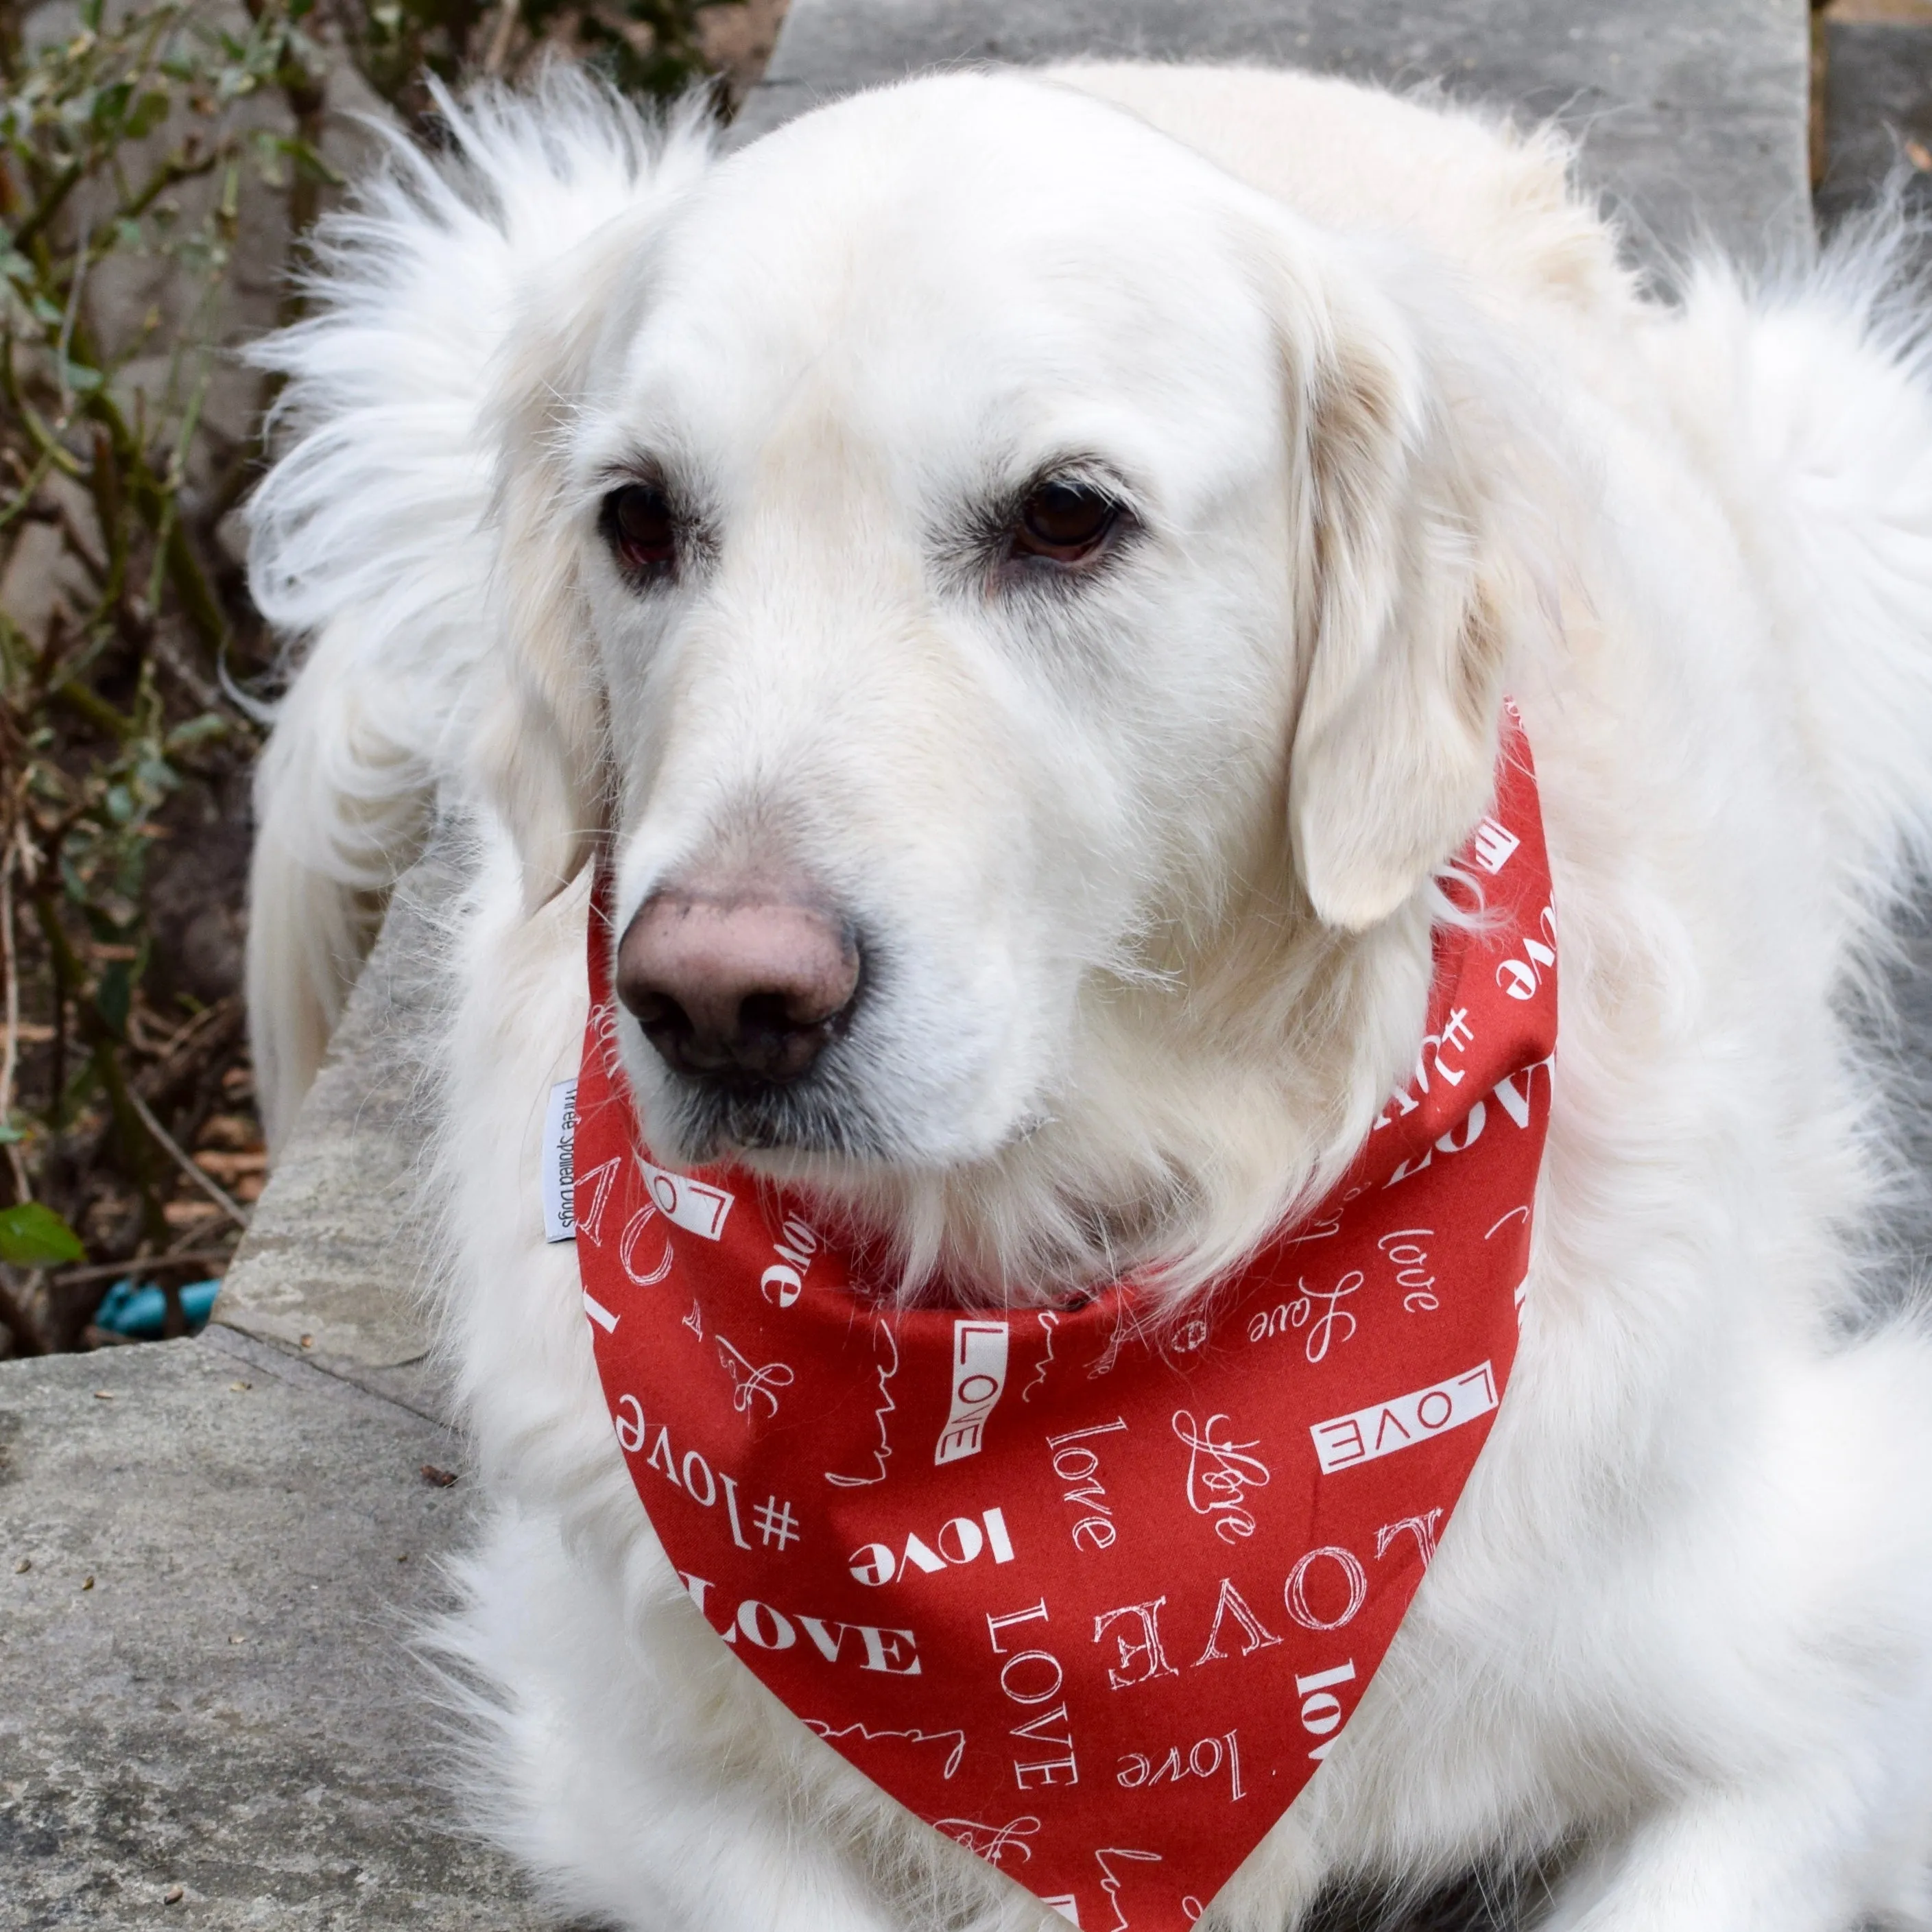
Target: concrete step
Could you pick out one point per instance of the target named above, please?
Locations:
(334, 1254)
(1691, 112)
(211, 1555)
(1877, 105)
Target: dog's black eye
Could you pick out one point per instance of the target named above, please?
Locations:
(638, 526)
(1065, 522)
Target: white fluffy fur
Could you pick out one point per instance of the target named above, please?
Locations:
(1152, 865)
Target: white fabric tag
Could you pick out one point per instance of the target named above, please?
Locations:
(560, 1161)
(691, 1204)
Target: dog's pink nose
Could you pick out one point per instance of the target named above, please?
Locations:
(736, 987)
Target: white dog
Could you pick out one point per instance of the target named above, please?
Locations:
(1056, 549)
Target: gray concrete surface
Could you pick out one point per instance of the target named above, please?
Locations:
(1691, 111)
(292, 1779)
(208, 1561)
(230, 1707)
(1878, 111)
(332, 1261)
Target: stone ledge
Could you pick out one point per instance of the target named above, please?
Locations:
(1692, 113)
(1878, 97)
(331, 1268)
(230, 1708)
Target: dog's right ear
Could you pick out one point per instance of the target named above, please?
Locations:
(1410, 574)
(539, 754)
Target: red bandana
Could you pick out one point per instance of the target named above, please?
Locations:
(1092, 1597)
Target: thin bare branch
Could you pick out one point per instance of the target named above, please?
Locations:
(130, 1270)
(10, 1056)
(183, 1159)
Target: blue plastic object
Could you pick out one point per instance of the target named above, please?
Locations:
(139, 1308)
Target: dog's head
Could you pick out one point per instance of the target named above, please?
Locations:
(1031, 616)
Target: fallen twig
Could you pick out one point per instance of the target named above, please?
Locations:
(183, 1159)
(10, 1055)
(132, 1270)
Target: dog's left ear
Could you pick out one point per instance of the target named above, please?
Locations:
(1408, 576)
(539, 753)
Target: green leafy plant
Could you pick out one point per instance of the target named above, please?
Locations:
(32, 1236)
(648, 46)
(141, 152)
